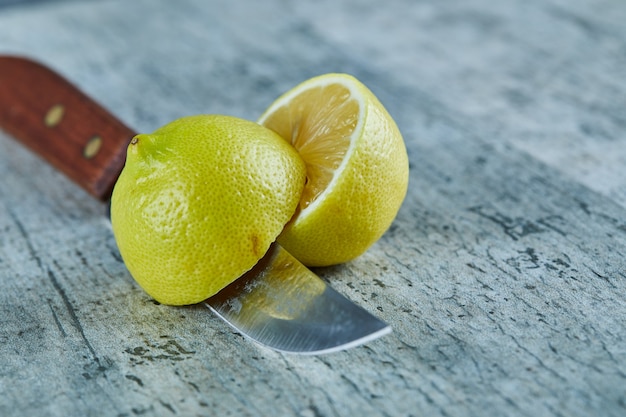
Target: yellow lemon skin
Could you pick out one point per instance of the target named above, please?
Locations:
(367, 189)
(199, 202)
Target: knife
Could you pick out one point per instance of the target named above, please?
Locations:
(279, 304)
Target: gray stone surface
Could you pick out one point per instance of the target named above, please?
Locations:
(504, 275)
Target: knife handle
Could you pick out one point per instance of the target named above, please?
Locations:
(62, 124)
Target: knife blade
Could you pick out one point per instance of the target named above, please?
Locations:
(279, 304)
(285, 306)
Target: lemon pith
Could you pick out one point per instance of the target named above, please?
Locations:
(357, 167)
(199, 202)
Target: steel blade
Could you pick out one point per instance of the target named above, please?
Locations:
(284, 306)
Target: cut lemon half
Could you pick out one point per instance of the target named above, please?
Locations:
(356, 162)
(200, 201)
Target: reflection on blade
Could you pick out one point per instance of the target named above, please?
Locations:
(284, 306)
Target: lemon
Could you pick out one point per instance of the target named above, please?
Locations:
(357, 167)
(199, 202)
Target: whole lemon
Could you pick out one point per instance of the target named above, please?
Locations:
(199, 202)
(357, 167)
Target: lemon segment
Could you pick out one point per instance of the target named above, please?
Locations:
(357, 167)
(199, 202)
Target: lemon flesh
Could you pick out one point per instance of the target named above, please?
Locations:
(357, 167)
(199, 202)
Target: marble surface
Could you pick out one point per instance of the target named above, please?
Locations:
(503, 276)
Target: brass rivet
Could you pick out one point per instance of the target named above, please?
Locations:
(92, 147)
(54, 115)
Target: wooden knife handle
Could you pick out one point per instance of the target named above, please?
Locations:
(62, 124)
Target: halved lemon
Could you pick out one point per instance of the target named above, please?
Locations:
(200, 201)
(356, 162)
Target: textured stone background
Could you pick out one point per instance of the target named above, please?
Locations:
(504, 275)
